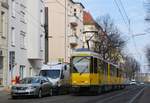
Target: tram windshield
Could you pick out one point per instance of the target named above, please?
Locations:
(81, 65)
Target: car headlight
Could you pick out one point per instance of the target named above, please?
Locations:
(13, 88)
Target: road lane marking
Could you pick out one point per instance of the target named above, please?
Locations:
(136, 96)
(114, 96)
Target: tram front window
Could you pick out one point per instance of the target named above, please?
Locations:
(81, 65)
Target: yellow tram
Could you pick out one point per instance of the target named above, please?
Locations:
(91, 73)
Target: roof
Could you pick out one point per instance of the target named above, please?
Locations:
(88, 19)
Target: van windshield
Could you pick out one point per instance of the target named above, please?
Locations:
(50, 73)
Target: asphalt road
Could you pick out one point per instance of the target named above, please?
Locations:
(132, 94)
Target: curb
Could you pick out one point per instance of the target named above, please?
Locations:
(6, 89)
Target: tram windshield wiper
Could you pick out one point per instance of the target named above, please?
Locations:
(83, 71)
(81, 64)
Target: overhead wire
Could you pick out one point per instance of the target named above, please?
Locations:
(124, 15)
(120, 11)
(127, 17)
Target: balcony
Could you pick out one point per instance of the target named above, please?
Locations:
(73, 21)
(73, 40)
(4, 3)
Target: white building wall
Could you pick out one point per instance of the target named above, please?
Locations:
(16, 28)
(3, 41)
(25, 36)
(36, 34)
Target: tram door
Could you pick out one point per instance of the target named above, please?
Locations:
(94, 71)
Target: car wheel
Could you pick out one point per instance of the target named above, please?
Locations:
(40, 94)
(13, 97)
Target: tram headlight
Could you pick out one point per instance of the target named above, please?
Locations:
(74, 82)
(86, 82)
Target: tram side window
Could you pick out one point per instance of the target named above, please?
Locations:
(91, 65)
(117, 72)
(100, 65)
(95, 65)
(112, 70)
(105, 68)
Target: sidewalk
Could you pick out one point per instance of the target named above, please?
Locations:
(1, 88)
(5, 89)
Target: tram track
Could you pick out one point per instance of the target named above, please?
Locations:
(129, 94)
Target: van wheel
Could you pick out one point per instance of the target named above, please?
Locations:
(51, 92)
(40, 94)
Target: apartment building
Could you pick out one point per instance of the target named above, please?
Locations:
(26, 38)
(64, 25)
(93, 33)
(3, 41)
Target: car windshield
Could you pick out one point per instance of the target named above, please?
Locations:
(50, 73)
(81, 64)
(30, 80)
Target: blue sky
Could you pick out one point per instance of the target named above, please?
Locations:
(136, 12)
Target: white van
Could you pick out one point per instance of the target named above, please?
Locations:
(58, 75)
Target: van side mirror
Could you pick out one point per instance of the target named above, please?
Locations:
(42, 82)
(62, 76)
(65, 67)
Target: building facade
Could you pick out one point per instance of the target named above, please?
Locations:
(26, 38)
(3, 41)
(64, 29)
(93, 32)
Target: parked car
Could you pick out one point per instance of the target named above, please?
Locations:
(133, 82)
(32, 86)
(142, 83)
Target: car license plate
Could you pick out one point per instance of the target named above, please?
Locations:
(20, 91)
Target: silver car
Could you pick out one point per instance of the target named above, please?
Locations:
(32, 86)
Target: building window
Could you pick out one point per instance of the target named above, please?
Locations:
(13, 36)
(22, 40)
(11, 60)
(3, 22)
(41, 43)
(42, 17)
(22, 13)
(30, 71)
(13, 8)
(22, 17)
(75, 12)
(22, 71)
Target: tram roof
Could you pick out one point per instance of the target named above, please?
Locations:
(87, 52)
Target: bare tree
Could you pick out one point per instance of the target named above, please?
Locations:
(147, 19)
(147, 6)
(113, 45)
(131, 67)
(148, 55)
